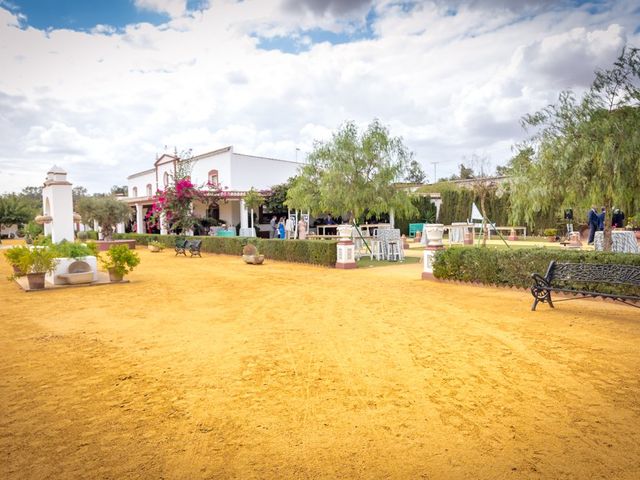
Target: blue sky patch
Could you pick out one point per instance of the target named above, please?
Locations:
(86, 14)
(303, 40)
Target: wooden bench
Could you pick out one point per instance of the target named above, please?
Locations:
(588, 275)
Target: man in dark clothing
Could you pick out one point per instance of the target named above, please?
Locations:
(617, 219)
(601, 219)
(592, 221)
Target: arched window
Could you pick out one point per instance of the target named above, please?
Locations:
(165, 179)
(134, 191)
(213, 177)
(149, 190)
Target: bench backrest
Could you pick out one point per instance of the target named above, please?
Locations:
(181, 242)
(594, 273)
(195, 244)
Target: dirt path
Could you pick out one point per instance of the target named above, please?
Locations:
(209, 368)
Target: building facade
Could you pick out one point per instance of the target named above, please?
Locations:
(237, 173)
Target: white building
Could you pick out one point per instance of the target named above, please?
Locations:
(237, 172)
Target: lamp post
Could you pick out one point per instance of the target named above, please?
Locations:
(297, 150)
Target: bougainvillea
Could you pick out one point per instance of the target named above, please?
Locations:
(176, 201)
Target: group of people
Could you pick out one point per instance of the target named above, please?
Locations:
(596, 220)
(284, 228)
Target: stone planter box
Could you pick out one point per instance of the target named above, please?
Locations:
(104, 245)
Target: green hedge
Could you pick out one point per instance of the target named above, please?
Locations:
(514, 267)
(317, 252)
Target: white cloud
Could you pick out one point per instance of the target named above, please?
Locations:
(106, 102)
(173, 8)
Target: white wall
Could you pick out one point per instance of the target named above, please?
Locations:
(248, 171)
(220, 161)
(141, 181)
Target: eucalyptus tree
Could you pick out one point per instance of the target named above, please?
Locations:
(354, 173)
(584, 152)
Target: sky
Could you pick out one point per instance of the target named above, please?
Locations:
(100, 88)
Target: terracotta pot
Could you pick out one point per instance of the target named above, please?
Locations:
(36, 280)
(114, 277)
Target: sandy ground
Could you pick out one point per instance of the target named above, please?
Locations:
(212, 369)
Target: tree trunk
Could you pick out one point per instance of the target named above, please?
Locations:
(607, 241)
(485, 232)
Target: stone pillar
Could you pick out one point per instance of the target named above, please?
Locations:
(57, 202)
(243, 214)
(139, 219)
(120, 228)
(392, 218)
(163, 224)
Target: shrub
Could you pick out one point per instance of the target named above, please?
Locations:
(38, 260)
(74, 250)
(317, 252)
(159, 245)
(550, 232)
(14, 254)
(249, 249)
(82, 236)
(121, 259)
(514, 267)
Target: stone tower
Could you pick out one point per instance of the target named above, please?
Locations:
(57, 202)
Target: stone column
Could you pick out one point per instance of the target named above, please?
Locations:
(243, 214)
(139, 219)
(57, 201)
(392, 218)
(163, 224)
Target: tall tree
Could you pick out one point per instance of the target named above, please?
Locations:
(354, 173)
(13, 211)
(107, 211)
(415, 173)
(584, 152)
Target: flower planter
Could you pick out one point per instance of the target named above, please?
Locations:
(253, 259)
(16, 271)
(434, 234)
(153, 248)
(115, 277)
(36, 280)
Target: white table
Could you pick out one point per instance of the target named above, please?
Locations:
(623, 241)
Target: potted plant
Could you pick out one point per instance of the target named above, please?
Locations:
(551, 234)
(155, 246)
(250, 255)
(36, 263)
(118, 261)
(13, 256)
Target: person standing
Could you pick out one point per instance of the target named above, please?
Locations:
(302, 229)
(272, 227)
(601, 218)
(617, 219)
(289, 228)
(592, 221)
(281, 232)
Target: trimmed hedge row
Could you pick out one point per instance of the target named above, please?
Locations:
(317, 252)
(514, 267)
